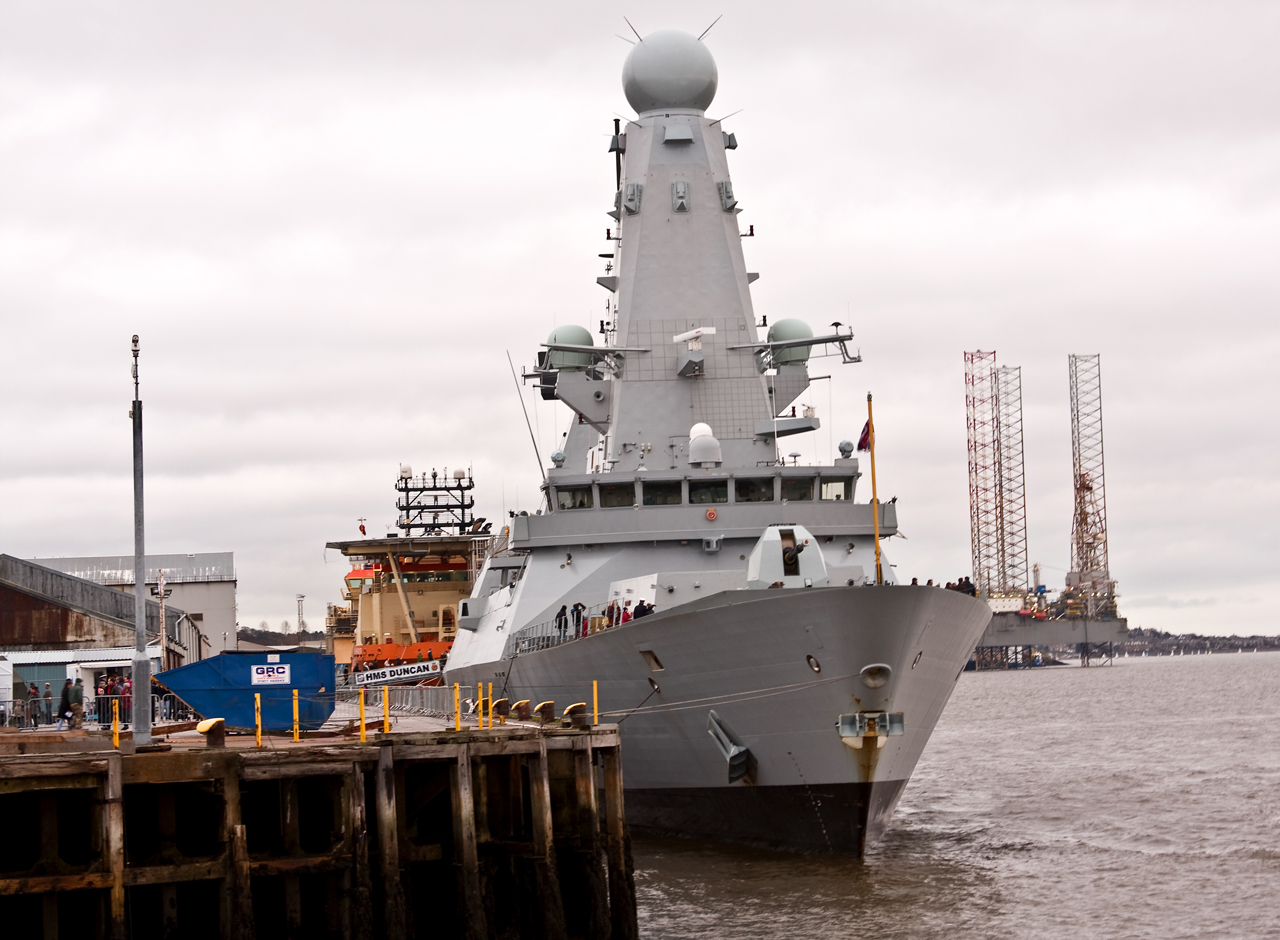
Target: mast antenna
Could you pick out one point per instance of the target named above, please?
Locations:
(533, 440)
(708, 29)
(634, 30)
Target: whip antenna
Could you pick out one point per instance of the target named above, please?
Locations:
(533, 440)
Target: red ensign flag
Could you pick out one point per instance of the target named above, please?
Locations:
(864, 442)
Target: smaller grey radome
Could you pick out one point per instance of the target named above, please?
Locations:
(704, 449)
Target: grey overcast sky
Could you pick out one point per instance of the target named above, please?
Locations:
(328, 222)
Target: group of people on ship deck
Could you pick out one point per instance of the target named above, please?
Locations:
(962, 584)
(613, 615)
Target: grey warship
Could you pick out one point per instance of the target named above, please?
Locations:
(784, 686)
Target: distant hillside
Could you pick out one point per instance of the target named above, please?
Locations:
(274, 638)
(1155, 641)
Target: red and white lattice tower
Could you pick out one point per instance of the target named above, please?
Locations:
(1012, 566)
(997, 478)
(983, 421)
(1090, 568)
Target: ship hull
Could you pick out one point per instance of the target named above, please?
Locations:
(826, 819)
(778, 668)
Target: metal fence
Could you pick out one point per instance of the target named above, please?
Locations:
(33, 713)
(429, 701)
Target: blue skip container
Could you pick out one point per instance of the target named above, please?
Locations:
(224, 686)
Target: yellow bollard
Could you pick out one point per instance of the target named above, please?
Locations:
(257, 717)
(457, 708)
(115, 723)
(362, 716)
(490, 706)
(386, 709)
(595, 702)
(295, 714)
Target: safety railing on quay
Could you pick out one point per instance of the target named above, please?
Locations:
(99, 712)
(96, 712)
(429, 701)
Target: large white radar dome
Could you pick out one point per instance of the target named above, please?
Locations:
(669, 69)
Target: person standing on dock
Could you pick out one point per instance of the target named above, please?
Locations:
(64, 705)
(48, 704)
(76, 698)
(33, 706)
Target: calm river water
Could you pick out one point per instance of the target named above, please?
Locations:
(1136, 800)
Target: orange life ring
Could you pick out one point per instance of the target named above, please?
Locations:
(711, 515)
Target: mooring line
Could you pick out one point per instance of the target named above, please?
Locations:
(731, 698)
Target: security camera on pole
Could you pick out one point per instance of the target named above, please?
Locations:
(141, 665)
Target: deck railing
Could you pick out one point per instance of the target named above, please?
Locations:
(548, 633)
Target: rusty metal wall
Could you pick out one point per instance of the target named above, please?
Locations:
(34, 623)
(45, 609)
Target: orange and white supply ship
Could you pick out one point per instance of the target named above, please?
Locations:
(402, 592)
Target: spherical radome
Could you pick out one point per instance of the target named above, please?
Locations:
(699, 429)
(572, 336)
(704, 451)
(669, 69)
(784, 330)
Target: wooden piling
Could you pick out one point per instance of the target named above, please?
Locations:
(389, 845)
(622, 883)
(113, 796)
(237, 898)
(546, 878)
(471, 902)
(361, 899)
(241, 925)
(291, 826)
(513, 828)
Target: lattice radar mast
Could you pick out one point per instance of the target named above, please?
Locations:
(437, 505)
(1090, 572)
(997, 487)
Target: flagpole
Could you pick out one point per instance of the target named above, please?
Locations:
(875, 498)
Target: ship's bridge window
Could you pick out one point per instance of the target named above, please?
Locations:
(708, 491)
(664, 493)
(753, 491)
(797, 488)
(613, 495)
(574, 497)
(837, 487)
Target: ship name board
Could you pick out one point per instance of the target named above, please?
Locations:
(391, 675)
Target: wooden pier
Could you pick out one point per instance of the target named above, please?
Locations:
(511, 833)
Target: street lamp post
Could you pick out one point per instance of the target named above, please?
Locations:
(141, 664)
